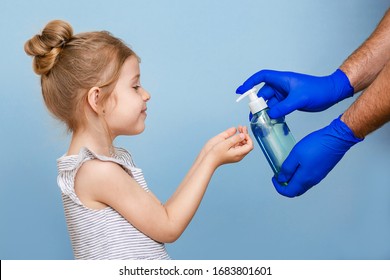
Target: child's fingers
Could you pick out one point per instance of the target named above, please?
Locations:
(221, 136)
(249, 141)
(247, 136)
(234, 148)
(228, 132)
(243, 129)
(235, 140)
(244, 148)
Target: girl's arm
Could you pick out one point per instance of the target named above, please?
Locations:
(107, 184)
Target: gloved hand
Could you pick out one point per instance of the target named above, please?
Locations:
(313, 158)
(288, 91)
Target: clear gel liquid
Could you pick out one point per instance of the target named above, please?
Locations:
(274, 138)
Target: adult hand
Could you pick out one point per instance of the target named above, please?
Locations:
(313, 158)
(289, 91)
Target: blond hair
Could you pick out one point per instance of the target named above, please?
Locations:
(70, 65)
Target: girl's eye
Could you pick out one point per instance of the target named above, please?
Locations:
(136, 87)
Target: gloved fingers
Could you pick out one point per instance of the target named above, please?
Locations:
(284, 107)
(275, 79)
(288, 168)
(267, 92)
(284, 190)
(272, 102)
(295, 187)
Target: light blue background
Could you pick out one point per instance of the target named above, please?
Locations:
(194, 55)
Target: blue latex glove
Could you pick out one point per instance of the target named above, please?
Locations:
(313, 158)
(288, 91)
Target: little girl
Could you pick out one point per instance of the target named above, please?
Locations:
(91, 82)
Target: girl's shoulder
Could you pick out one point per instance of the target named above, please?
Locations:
(124, 156)
(120, 156)
(89, 166)
(97, 179)
(82, 174)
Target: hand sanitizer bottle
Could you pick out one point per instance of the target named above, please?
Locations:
(273, 135)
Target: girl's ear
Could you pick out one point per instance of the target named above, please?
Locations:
(94, 96)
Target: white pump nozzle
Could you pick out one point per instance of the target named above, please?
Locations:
(256, 103)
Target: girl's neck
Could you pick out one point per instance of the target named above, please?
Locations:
(92, 140)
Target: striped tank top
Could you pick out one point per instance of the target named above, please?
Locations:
(104, 233)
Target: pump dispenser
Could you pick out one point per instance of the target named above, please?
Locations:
(273, 135)
(256, 103)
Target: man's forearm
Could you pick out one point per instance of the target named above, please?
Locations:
(364, 64)
(372, 109)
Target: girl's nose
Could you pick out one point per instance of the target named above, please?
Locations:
(145, 95)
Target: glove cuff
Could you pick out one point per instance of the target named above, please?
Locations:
(344, 132)
(342, 85)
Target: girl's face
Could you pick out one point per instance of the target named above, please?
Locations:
(125, 110)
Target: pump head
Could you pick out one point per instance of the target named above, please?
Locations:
(256, 103)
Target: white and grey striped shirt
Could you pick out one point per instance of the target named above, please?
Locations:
(103, 234)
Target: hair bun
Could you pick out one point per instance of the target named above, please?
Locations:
(46, 46)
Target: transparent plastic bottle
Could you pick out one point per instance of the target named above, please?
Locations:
(273, 135)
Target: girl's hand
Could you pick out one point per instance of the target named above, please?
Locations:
(217, 139)
(229, 146)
